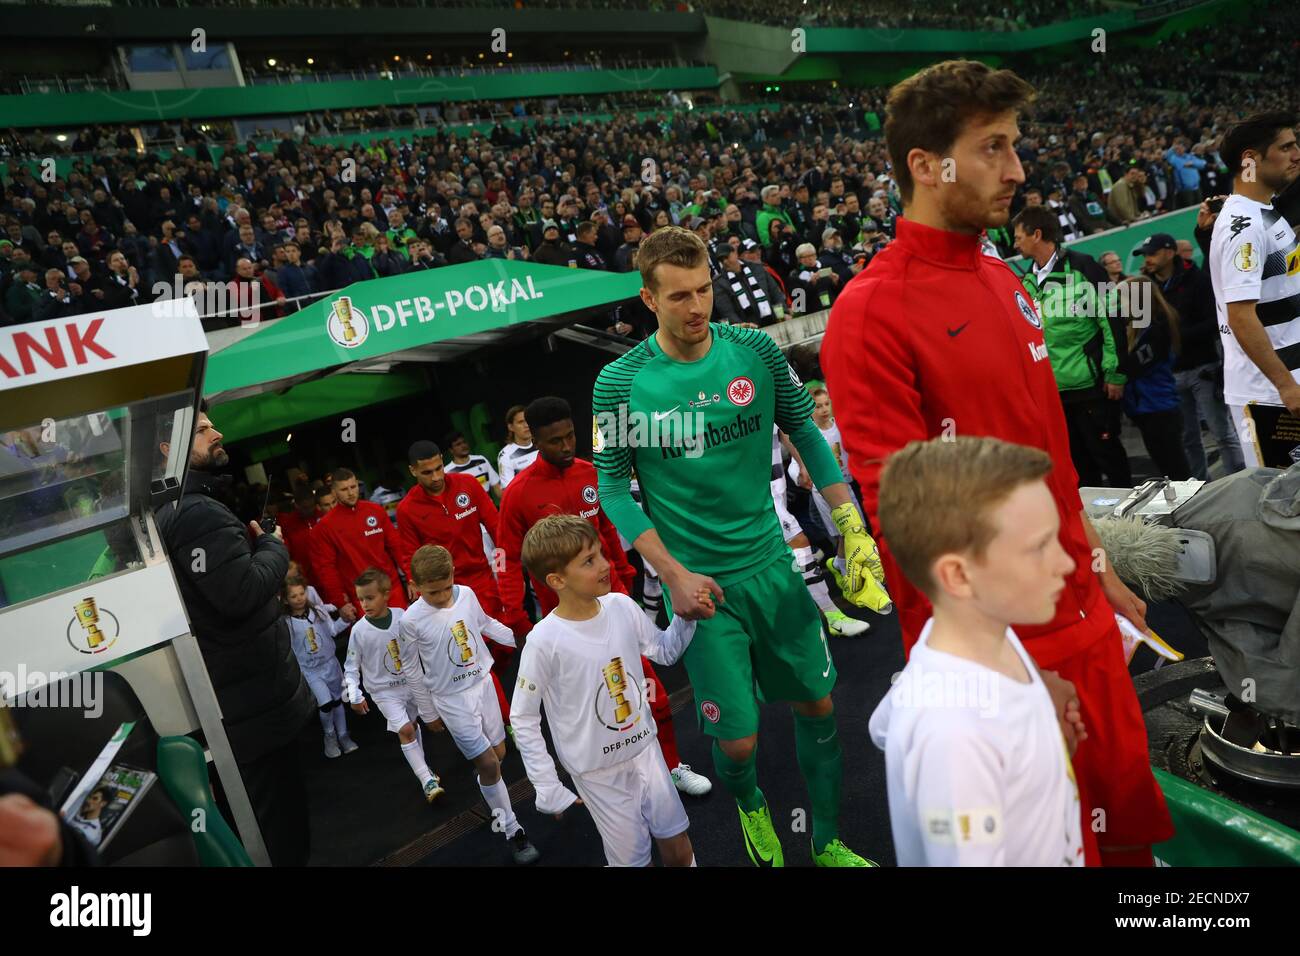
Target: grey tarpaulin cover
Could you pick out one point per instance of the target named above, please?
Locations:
(1251, 614)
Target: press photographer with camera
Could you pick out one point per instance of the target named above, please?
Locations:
(230, 576)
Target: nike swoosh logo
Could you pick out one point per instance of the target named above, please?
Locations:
(826, 673)
(828, 739)
(659, 416)
(755, 855)
(953, 333)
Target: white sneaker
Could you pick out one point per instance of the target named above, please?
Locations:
(332, 746)
(348, 745)
(841, 625)
(689, 782)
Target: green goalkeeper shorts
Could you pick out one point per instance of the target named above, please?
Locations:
(765, 642)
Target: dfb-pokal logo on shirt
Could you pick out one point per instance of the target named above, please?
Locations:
(618, 700)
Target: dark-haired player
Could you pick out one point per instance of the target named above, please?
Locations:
(934, 336)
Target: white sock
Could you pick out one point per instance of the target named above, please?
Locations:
(821, 596)
(817, 589)
(414, 755)
(340, 715)
(498, 798)
(326, 721)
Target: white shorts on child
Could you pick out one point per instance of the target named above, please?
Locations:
(397, 705)
(325, 681)
(632, 802)
(473, 718)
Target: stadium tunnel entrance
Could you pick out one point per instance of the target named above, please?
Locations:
(353, 379)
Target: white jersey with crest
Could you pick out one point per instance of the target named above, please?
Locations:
(374, 658)
(1255, 257)
(448, 643)
(588, 676)
(312, 639)
(513, 459)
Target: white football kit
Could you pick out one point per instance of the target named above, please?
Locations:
(312, 639)
(476, 466)
(976, 766)
(588, 677)
(457, 685)
(789, 526)
(1254, 256)
(374, 659)
(513, 459)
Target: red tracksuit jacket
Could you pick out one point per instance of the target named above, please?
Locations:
(296, 532)
(347, 541)
(934, 334)
(452, 520)
(542, 489)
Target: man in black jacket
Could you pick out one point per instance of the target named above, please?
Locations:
(744, 293)
(589, 256)
(1088, 211)
(462, 250)
(1198, 368)
(632, 235)
(553, 251)
(230, 585)
(58, 300)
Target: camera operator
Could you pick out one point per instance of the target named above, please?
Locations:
(230, 583)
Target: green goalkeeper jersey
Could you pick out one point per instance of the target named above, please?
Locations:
(699, 436)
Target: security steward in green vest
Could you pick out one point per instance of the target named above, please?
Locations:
(1085, 344)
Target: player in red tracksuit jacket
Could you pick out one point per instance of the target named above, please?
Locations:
(295, 528)
(353, 536)
(558, 482)
(937, 337)
(451, 510)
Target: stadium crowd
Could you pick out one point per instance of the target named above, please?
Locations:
(890, 14)
(803, 192)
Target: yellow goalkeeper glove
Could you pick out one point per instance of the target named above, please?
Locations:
(864, 585)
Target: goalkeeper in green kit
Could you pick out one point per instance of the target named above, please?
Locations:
(691, 409)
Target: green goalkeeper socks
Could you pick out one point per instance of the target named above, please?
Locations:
(817, 744)
(740, 779)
